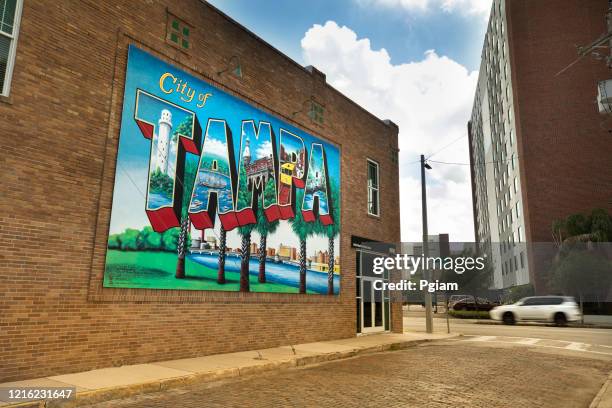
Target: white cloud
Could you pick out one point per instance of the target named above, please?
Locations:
(216, 147)
(465, 7)
(264, 149)
(430, 100)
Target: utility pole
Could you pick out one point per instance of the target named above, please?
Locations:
(428, 312)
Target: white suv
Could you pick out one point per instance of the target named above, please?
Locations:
(557, 309)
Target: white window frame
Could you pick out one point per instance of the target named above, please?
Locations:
(10, 63)
(377, 165)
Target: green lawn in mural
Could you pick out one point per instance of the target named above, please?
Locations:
(149, 269)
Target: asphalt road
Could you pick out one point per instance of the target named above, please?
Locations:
(464, 372)
(468, 327)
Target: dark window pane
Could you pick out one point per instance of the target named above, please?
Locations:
(378, 312)
(7, 11)
(185, 31)
(5, 47)
(367, 314)
(175, 24)
(358, 315)
(185, 44)
(387, 315)
(367, 266)
(174, 37)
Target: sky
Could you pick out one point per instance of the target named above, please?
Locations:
(414, 62)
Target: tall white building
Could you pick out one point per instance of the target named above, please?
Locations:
(163, 139)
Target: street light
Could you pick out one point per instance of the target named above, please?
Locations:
(428, 311)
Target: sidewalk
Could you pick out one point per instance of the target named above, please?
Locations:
(119, 382)
(603, 399)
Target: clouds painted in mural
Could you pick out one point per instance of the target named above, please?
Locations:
(212, 193)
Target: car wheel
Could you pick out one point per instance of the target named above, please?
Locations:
(508, 318)
(560, 319)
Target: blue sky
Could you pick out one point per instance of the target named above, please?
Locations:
(415, 62)
(405, 35)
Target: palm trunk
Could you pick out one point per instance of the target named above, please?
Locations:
(180, 247)
(245, 254)
(222, 249)
(330, 272)
(302, 266)
(262, 258)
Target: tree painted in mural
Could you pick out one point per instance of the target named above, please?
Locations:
(244, 197)
(222, 250)
(303, 230)
(191, 169)
(331, 232)
(264, 228)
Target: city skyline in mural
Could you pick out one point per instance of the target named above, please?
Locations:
(212, 193)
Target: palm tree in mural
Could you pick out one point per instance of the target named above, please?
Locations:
(245, 256)
(189, 175)
(264, 228)
(222, 249)
(244, 198)
(331, 231)
(303, 230)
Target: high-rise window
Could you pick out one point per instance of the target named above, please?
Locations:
(10, 12)
(373, 194)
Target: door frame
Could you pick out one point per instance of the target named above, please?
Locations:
(361, 278)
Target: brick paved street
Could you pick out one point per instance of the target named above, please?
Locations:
(453, 373)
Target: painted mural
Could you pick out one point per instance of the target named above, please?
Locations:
(212, 193)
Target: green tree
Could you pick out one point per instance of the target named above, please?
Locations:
(594, 227)
(265, 227)
(222, 250)
(189, 175)
(114, 242)
(129, 239)
(169, 239)
(244, 199)
(161, 183)
(149, 239)
(583, 273)
(303, 230)
(331, 232)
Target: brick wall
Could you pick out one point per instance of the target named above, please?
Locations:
(565, 146)
(60, 130)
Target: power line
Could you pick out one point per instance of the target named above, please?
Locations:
(478, 164)
(448, 145)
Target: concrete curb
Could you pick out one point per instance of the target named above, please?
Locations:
(603, 399)
(575, 325)
(106, 394)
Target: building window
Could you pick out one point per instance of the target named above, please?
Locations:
(517, 207)
(373, 199)
(522, 260)
(317, 112)
(10, 12)
(177, 32)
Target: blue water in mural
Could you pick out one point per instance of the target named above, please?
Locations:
(157, 200)
(286, 274)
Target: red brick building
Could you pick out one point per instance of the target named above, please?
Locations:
(540, 150)
(63, 81)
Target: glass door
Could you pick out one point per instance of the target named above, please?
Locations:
(373, 306)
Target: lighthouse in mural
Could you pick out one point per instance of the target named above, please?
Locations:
(163, 140)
